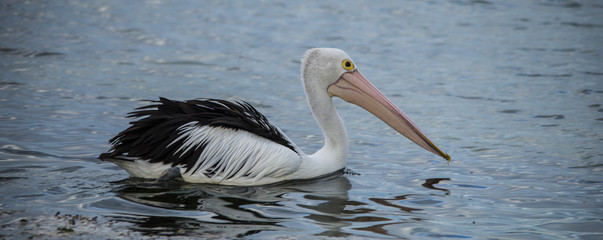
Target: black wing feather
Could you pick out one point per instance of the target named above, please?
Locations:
(149, 136)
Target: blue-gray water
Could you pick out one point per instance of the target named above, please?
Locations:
(513, 90)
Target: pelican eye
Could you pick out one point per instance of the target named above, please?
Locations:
(347, 65)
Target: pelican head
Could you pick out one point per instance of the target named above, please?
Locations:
(328, 72)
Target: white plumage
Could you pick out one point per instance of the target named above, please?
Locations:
(255, 157)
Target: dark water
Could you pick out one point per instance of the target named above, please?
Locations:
(512, 89)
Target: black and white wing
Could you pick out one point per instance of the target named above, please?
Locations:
(211, 140)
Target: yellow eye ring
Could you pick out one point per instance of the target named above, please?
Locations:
(347, 65)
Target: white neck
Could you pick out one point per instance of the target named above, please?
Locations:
(333, 155)
(333, 130)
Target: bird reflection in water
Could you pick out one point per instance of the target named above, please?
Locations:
(433, 181)
(187, 209)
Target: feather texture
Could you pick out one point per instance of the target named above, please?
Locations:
(217, 138)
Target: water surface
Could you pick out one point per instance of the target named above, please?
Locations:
(513, 90)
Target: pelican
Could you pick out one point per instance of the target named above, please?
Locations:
(231, 143)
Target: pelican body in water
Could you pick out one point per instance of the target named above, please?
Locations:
(231, 143)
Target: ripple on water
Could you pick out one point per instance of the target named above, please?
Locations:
(510, 111)
(28, 53)
(553, 116)
(476, 75)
